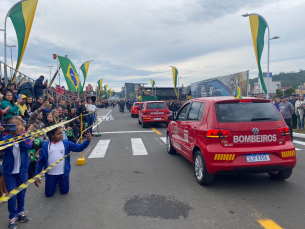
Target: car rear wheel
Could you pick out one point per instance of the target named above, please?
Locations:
(281, 175)
(202, 175)
(169, 146)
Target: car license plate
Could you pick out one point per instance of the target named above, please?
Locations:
(157, 118)
(257, 157)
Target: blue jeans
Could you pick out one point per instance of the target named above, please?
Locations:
(51, 182)
(16, 203)
(300, 122)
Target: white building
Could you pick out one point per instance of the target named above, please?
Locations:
(258, 89)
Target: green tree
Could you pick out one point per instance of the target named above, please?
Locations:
(289, 92)
(279, 92)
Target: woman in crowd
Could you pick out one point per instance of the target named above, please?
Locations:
(8, 106)
(55, 115)
(38, 103)
(48, 120)
(299, 111)
(29, 104)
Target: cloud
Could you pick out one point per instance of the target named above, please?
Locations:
(137, 40)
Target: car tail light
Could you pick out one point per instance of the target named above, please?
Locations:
(167, 112)
(284, 130)
(245, 101)
(217, 133)
(145, 112)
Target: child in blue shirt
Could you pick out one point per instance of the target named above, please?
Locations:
(51, 152)
(15, 170)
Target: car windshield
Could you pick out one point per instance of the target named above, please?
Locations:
(246, 112)
(156, 106)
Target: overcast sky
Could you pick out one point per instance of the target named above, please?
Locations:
(134, 40)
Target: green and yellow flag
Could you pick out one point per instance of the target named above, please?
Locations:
(258, 28)
(152, 84)
(100, 85)
(84, 68)
(106, 88)
(238, 96)
(22, 16)
(70, 74)
(175, 78)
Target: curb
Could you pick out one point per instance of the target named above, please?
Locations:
(298, 135)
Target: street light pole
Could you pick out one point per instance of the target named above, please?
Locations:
(11, 46)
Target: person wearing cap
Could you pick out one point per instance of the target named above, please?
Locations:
(294, 117)
(286, 109)
(23, 108)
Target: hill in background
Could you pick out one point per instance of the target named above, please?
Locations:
(288, 79)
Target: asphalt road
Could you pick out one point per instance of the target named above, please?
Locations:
(130, 181)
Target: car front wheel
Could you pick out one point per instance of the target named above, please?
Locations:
(281, 175)
(202, 175)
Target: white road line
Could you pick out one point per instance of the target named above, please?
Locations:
(100, 149)
(297, 149)
(101, 120)
(299, 142)
(163, 139)
(138, 147)
(123, 132)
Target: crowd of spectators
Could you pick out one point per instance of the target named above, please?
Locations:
(38, 106)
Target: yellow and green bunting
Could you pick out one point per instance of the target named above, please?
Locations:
(100, 85)
(84, 68)
(175, 78)
(22, 16)
(105, 88)
(258, 28)
(152, 84)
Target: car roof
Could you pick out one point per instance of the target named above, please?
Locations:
(154, 102)
(226, 98)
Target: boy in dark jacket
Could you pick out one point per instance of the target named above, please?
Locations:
(39, 86)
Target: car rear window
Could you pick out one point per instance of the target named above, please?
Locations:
(156, 106)
(246, 112)
(137, 105)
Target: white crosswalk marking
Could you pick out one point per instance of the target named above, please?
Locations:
(100, 149)
(163, 139)
(297, 149)
(138, 147)
(299, 142)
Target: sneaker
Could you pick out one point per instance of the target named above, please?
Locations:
(22, 217)
(13, 223)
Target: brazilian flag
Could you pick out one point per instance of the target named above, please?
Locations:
(22, 16)
(70, 74)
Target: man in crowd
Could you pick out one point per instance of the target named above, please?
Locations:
(287, 110)
(39, 86)
(52, 102)
(294, 116)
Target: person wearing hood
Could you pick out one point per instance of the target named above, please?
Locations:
(26, 89)
(39, 86)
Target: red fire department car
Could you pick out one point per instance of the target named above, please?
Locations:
(154, 112)
(136, 107)
(224, 134)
